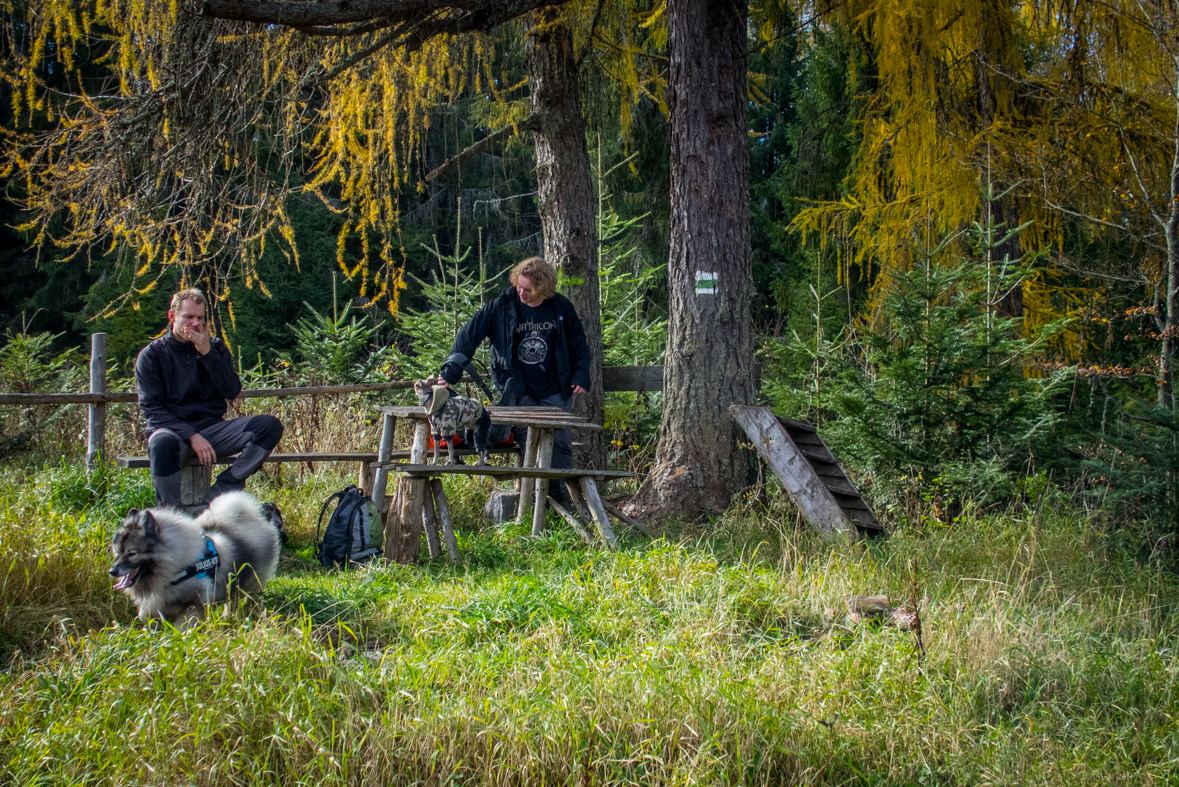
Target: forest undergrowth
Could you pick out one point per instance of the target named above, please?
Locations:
(718, 653)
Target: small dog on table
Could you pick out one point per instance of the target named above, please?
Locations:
(448, 414)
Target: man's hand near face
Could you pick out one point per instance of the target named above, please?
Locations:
(201, 446)
(188, 325)
(199, 336)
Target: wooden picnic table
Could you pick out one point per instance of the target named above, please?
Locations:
(420, 502)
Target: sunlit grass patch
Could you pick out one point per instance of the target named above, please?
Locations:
(717, 654)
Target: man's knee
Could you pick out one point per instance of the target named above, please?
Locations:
(163, 451)
(267, 431)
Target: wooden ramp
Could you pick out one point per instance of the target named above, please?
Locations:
(808, 470)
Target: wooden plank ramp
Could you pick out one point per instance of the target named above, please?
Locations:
(809, 472)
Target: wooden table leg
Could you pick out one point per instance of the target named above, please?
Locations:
(634, 523)
(413, 495)
(573, 521)
(430, 521)
(579, 506)
(544, 458)
(392, 541)
(590, 490)
(526, 484)
(443, 509)
(388, 427)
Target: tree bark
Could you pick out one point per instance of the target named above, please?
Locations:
(699, 465)
(565, 196)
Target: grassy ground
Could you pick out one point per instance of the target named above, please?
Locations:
(714, 655)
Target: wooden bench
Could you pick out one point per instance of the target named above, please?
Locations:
(195, 478)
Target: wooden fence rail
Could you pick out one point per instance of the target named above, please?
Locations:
(615, 378)
(252, 393)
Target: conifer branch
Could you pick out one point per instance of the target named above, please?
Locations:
(531, 123)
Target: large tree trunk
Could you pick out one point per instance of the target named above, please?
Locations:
(709, 366)
(566, 199)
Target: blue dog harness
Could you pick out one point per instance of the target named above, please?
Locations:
(205, 567)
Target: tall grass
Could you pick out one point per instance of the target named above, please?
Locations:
(717, 654)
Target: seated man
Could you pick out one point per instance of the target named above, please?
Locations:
(184, 380)
(539, 353)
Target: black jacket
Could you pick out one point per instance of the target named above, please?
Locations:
(497, 322)
(182, 390)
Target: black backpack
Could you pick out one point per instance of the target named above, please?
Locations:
(348, 537)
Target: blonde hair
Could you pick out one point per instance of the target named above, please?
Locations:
(542, 275)
(188, 294)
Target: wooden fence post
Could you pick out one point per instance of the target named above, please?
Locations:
(96, 442)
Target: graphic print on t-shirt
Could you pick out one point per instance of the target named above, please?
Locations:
(532, 350)
(536, 332)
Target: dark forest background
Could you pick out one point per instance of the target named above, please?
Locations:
(933, 395)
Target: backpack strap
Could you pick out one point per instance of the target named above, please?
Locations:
(337, 496)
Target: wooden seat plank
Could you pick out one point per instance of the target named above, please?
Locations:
(324, 456)
(134, 462)
(428, 471)
(549, 417)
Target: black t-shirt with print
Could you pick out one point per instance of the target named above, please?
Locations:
(536, 333)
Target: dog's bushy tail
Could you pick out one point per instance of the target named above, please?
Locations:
(239, 515)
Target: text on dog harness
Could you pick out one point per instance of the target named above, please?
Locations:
(205, 567)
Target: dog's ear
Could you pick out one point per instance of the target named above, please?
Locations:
(134, 512)
(150, 526)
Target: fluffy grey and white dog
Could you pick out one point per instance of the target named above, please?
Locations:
(173, 565)
(449, 414)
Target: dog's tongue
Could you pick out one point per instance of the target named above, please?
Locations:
(125, 581)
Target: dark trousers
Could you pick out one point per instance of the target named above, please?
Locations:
(252, 438)
(562, 438)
